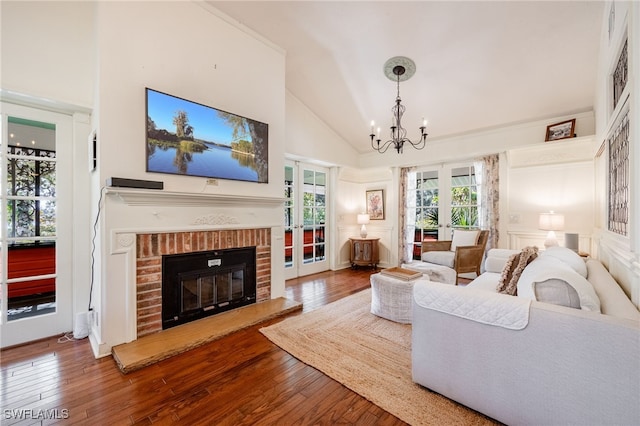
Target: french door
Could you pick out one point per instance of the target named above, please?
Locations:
(36, 234)
(305, 218)
(446, 199)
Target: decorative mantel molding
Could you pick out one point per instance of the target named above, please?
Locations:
(143, 197)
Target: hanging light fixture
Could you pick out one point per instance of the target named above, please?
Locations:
(398, 68)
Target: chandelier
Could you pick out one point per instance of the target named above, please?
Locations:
(398, 68)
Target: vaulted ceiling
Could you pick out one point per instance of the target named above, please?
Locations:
(479, 64)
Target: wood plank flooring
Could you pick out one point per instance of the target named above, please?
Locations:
(242, 378)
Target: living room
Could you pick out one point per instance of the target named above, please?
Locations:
(109, 52)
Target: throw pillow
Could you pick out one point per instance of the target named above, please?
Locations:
(464, 238)
(508, 283)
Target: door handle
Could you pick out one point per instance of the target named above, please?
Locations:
(448, 225)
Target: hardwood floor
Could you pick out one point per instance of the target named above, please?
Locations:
(240, 379)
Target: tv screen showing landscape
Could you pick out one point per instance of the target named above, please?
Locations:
(187, 138)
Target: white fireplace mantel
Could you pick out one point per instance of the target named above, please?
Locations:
(143, 197)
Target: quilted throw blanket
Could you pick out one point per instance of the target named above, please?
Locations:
(477, 305)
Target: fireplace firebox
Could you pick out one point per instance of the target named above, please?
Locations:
(196, 285)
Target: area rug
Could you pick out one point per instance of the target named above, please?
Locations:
(369, 355)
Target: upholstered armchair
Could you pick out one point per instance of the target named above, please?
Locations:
(463, 253)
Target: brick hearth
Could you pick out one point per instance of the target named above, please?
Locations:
(151, 247)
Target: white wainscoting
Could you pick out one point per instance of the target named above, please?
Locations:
(521, 239)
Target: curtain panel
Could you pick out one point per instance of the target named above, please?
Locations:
(488, 177)
(407, 214)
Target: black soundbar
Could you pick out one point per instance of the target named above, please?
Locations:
(134, 183)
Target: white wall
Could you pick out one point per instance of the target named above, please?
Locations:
(309, 138)
(48, 50)
(351, 200)
(551, 176)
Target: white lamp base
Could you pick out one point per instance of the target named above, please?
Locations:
(363, 231)
(551, 240)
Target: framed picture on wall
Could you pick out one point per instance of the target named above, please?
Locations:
(562, 130)
(375, 204)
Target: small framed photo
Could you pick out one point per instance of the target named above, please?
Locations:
(375, 204)
(562, 130)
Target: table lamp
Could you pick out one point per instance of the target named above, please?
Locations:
(363, 219)
(551, 222)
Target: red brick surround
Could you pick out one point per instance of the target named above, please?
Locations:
(151, 247)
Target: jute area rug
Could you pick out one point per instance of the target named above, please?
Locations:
(369, 355)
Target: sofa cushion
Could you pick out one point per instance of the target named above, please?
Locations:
(444, 258)
(463, 238)
(510, 275)
(569, 257)
(545, 268)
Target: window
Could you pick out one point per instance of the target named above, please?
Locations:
(31, 187)
(464, 198)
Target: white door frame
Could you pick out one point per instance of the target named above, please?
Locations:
(61, 321)
(298, 267)
(445, 228)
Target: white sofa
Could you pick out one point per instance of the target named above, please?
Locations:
(523, 361)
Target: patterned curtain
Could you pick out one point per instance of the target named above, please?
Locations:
(407, 213)
(487, 177)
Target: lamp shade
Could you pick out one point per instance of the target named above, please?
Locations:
(551, 222)
(363, 219)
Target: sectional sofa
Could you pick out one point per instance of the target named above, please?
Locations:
(523, 361)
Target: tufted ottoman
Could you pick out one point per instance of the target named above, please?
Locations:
(392, 298)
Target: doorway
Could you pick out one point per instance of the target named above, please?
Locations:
(35, 240)
(446, 200)
(305, 217)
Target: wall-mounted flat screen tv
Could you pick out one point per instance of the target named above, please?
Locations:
(187, 138)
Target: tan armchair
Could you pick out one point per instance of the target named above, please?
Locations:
(463, 259)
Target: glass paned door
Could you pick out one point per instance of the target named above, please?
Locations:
(34, 303)
(446, 199)
(427, 209)
(305, 220)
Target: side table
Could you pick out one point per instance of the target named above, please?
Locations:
(364, 252)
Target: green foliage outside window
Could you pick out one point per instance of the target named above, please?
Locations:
(31, 178)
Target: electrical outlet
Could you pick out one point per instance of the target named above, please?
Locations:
(212, 182)
(514, 218)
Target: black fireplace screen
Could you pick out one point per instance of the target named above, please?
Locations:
(206, 289)
(196, 285)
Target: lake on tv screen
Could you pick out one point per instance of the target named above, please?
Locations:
(214, 162)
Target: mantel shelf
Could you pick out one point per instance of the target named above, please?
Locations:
(144, 197)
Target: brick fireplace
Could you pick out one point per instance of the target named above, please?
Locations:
(150, 247)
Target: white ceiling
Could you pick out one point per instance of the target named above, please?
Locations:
(479, 64)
